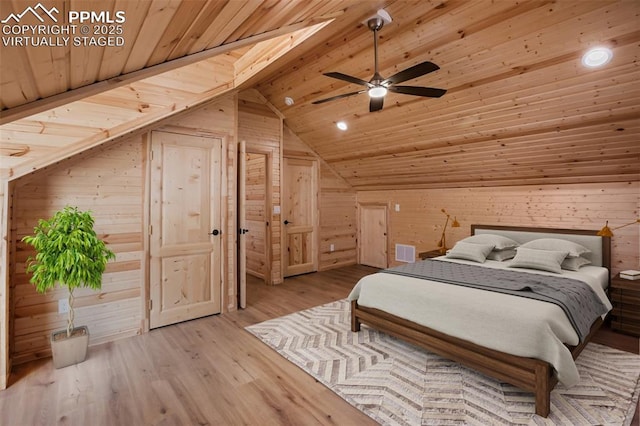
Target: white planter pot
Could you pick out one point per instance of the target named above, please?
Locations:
(69, 350)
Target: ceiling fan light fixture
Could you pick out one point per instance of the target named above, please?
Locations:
(377, 92)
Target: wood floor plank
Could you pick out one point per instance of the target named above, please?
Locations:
(205, 371)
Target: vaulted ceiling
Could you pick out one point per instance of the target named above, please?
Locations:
(520, 107)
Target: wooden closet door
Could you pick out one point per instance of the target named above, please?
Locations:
(185, 240)
(372, 236)
(300, 215)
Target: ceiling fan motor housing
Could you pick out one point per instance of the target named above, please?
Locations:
(375, 24)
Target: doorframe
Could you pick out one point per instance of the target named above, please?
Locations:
(145, 297)
(241, 222)
(268, 202)
(146, 220)
(359, 227)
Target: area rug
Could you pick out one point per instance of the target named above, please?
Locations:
(396, 383)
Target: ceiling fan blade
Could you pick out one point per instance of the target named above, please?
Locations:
(411, 72)
(428, 92)
(333, 98)
(348, 78)
(376, 104)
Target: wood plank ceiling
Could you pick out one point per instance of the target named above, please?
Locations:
(63, 99)
(520, 107)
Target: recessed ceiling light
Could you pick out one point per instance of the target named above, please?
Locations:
(342, 125)
(288, 101)
(597, 57)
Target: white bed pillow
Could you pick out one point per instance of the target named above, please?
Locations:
(556, 244)
(544, 260)
(470, 251)
(498, 241)
(501, 255)
(574, 263)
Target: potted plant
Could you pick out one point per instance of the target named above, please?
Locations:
(68, 252)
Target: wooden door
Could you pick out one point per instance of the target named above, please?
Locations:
(372, 235)
(299, 216)
(185, 215)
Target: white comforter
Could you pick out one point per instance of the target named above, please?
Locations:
(511, 324)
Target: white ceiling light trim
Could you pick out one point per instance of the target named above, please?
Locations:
(597, 57)
(342, 125)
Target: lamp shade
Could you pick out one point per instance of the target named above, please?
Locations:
(605, 231)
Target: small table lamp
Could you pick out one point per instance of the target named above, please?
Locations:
(608, 232)
(442, 244)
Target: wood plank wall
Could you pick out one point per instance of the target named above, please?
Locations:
(261, 128)
(337, 207)
(110, 181)
(338, 221)
(580, 206)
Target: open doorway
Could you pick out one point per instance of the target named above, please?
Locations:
(257, 196)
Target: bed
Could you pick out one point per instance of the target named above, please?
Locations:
(528, 343)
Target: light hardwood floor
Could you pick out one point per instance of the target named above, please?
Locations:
(203, 372)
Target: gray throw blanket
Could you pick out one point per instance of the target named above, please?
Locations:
(579, 302)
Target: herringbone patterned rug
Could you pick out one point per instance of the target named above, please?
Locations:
(399, 384)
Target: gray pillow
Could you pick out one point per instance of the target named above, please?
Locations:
(498, 241)
(501, 255)
(574, 263)
(556, 244)
(544, 260)
(468, 251)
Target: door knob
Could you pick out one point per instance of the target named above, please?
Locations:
(215, 232)
(286, 222)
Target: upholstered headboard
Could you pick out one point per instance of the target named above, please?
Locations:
(600, 246)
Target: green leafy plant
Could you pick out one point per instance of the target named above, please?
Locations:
(68, 253)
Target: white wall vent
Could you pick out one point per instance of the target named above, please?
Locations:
(405, 253)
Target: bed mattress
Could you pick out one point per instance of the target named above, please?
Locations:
(510, 324)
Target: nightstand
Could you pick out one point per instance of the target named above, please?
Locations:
(429, 254)
(625, 297)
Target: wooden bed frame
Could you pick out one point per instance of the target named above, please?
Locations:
(526, 373)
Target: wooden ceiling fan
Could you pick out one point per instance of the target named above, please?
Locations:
(378, 86)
